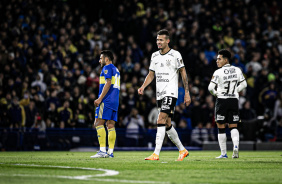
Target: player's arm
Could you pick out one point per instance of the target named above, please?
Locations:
(187, 98)
(148, 80)
(242, 85)
(211, 88)
(213, 83)
(104, 92)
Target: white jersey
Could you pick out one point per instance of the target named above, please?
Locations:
(166, 68)
(227, 79)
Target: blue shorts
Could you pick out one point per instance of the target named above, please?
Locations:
(102, 112)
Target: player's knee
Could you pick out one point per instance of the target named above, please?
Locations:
(110, 125)
(231, 128)
(221, 130)
(98, 123)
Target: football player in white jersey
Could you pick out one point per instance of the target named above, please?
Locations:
(165, 65)
(225, 84)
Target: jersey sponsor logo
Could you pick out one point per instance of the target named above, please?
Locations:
(161, 93)
(162, 73)
(232, 70)
(156, 54)
(165, 107)
(235, 118)
(162, 80)
(156, 63)
(219, 117)
(105, 71)
(229, 95)
(178, 62)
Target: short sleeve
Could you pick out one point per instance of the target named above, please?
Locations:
(152, 66)
(215, 77)
(108, 72)
(179, 60)
(241, 78)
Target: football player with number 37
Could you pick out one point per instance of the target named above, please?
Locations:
(226, 83)
(166, 64)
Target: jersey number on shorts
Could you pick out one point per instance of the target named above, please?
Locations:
(230, 87)
(167, 100)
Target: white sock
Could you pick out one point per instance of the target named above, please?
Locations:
(235, 137)
(222, 143)
(173, 136)
(103, 149)
(110, 151)
(159, 139)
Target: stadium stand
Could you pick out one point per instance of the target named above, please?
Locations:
(49, 53)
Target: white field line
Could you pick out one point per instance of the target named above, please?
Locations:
(82, 177)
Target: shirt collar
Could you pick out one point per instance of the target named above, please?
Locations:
(226, 65)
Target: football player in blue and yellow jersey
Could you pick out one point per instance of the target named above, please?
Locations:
(107, 104)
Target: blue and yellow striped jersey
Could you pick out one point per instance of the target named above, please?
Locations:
(111, 100)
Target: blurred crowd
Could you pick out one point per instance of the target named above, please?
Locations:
(49, 59)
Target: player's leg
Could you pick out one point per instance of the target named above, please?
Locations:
(235, 139)
(101, 132)
(234, 119)
(111, 137)
(222, 140)
(160, 136)
(221, 107)
(173, 136)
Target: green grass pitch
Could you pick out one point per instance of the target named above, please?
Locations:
(130, 167)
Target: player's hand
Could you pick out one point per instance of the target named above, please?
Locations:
(97, 102)
(141, 91)
(187, 99)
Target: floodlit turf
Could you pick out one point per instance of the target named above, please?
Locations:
(130, 167)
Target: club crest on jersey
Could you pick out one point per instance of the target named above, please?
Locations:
(168, 62)
(106, 71)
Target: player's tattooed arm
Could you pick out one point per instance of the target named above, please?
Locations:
(187, 98)
(184, 79)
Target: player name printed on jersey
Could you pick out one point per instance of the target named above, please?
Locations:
(166, 68)
(227, 79)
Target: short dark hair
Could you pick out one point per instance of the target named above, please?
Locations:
(108, 54)
(225, 53)
(164, 32)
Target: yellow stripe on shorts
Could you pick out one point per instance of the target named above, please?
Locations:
(101, 110)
